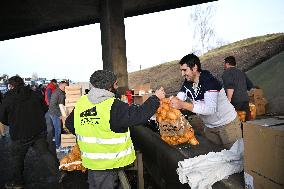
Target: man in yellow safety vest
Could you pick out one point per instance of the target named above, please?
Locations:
(101, 124)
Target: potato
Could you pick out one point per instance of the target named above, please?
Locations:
(171, 115)
(193, 141)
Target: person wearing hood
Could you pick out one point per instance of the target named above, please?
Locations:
(209, 101)
(101, 124)
(23, 111)
(50, 88)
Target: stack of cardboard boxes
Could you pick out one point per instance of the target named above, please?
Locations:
(73, 94)
(264, 154)
(256, 97)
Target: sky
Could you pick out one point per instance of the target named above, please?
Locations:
(151, 39)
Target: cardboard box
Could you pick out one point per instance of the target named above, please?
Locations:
(264, 154)
(73, 88)
(73, 92)
(68, 140)
(260, 109)
(71, 98)
(256, 181)
(260, 105)
(255, 94)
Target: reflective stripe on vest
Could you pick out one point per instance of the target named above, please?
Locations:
(102, 140)
(108, 155)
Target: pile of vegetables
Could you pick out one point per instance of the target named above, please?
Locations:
(242, 115)
(174, 128)
(252, 109)
(72, 161)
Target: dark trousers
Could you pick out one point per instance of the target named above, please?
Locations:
(104, 179)
(19, 149)
(242, 106)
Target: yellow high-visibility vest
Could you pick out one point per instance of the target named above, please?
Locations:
(100, 147)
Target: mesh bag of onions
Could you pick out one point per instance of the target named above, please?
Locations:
(174, 127)
(72, 161)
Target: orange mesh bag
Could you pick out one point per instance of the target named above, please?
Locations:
(174, 128)
(72, 161)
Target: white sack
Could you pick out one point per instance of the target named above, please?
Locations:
(203, 171)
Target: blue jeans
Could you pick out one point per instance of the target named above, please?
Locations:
(50, 134)
(57, 129)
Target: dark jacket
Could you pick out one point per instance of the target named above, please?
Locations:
(1, 97)
(58, 97)
(123, 116)
(233, 78)
(23, 111)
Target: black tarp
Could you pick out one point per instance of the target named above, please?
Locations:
(161, 160)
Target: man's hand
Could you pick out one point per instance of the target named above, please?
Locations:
(160, 93)
(63, 118)
(176, 103)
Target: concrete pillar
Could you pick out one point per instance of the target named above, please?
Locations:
(113, 40)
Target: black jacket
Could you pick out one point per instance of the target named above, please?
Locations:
(23, 111)
(123, 116)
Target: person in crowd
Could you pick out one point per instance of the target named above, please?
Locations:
(236, 85)
(101, 123)
(50, 88)
(208, 100)
(58, 97)
(2, 126)
(41, 89)
(23, 111)
(34, 87)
